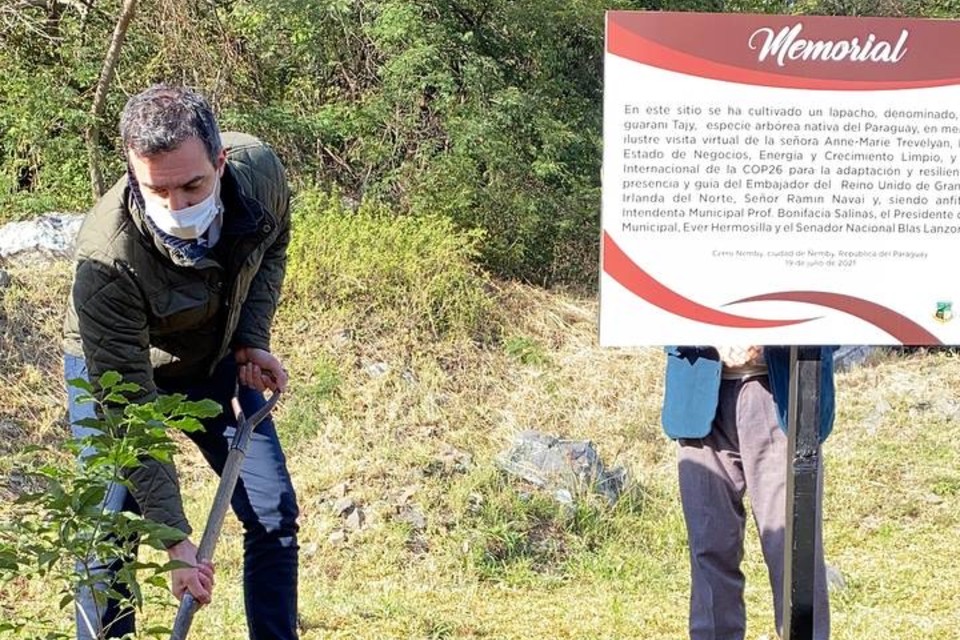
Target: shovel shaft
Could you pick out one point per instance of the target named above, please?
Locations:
(221, 502)
(211, 535)
(181, 624)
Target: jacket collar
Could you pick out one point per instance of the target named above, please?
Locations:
(241, 216)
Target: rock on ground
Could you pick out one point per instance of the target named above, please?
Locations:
(49, 237)
(566, 467)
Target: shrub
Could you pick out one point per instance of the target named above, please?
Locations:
(407, 274)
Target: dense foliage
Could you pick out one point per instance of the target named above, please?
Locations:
(486, 112)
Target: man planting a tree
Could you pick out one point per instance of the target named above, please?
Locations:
(178, 274)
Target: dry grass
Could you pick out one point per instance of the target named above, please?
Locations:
(32, 409)
(496, 560)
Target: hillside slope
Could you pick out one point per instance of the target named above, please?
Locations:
(407, 427)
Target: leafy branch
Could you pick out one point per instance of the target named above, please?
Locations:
(63, 532)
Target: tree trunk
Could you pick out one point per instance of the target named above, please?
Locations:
(100, 97)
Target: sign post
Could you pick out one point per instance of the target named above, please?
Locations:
(803, 455)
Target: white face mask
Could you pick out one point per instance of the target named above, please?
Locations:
(190, 222)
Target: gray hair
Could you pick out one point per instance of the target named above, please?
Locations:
(161, 117)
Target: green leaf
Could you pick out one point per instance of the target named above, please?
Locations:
(157, 630)
(168, 404)
(110, 379)
(47, 558)
(92, 496)
(161, 456)
(116, 398)
(157, 580)
(135, 590)
(187, 425)
(33, 448)
(176, 564)
(82, 384)
(159, 536)
(9, 561)
(90, 423)
(201, 409)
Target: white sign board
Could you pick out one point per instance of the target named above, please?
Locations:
(780, 180)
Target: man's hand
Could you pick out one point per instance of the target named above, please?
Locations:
(260, 369)
(197, 578)
(738, 356)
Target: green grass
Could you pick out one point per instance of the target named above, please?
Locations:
(496, 558)
(525, 350)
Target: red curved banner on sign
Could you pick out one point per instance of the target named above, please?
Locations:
(684, 45)
(897, 325)
(628, 274)
(621, 268)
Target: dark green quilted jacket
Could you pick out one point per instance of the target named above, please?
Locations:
(137, 308)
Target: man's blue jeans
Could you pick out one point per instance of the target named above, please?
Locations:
(264, 501)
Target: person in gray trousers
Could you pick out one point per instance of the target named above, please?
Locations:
(726, 407)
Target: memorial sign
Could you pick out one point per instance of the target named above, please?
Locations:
(780, 180)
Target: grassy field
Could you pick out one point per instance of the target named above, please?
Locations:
(492, 557)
